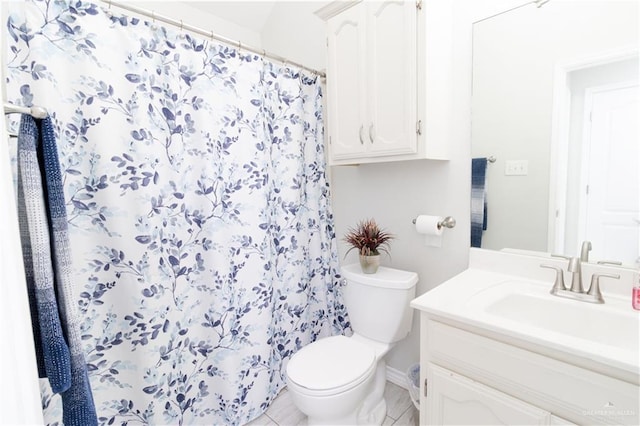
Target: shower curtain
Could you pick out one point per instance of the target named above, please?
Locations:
(200, 226)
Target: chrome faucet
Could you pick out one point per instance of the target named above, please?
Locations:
(575, 267)
(576, 290)
(584, 251)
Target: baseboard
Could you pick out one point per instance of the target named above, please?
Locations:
(397, 377)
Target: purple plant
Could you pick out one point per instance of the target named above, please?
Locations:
(368, 238)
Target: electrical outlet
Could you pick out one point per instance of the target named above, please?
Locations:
(516, 167)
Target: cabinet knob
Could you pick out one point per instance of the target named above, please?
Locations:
(360, 133)
(372, 135)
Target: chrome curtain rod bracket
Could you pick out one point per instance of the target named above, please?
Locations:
(210, 34)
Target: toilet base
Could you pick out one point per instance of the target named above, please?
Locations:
(374, 408)
(375, 416)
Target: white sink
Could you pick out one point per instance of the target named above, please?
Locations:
(604, 324)
(520, 310)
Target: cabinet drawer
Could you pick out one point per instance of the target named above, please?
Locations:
(571, 392)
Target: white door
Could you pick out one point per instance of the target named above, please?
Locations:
(611, 196)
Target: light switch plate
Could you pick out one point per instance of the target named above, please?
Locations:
(516, 167)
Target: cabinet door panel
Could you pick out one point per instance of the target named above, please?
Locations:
(346, 85)
(392, 70)
(457, 400)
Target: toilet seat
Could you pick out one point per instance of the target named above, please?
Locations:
(331, 365)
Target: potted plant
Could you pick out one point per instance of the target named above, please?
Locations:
(369, 239)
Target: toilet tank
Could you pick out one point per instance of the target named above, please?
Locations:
(378, 304)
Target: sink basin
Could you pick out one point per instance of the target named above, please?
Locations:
(597, 323)
(506, 297)
(526, 309)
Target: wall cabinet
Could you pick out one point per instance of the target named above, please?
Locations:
(374, 84)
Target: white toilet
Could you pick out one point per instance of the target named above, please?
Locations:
(340, 380)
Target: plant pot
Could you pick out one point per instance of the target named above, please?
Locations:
(369, 264)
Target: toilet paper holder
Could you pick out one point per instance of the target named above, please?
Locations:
(447, 222)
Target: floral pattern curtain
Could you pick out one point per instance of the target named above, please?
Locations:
(201, 230)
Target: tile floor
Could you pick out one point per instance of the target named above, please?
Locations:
(282, 412)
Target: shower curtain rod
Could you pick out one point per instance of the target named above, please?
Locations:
(178, 23)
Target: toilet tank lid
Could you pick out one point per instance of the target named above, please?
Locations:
(384, 277)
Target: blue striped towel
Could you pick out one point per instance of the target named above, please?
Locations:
(478, 200)
(78, 407)
(52, 351)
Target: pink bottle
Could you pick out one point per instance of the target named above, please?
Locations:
(635, 297)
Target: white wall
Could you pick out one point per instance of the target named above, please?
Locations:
(293, 31)
(197, 18)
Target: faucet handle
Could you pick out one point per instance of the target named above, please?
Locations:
(558, 284)
(561, 256)
(594, 288)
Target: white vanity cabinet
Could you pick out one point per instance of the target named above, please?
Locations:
(475, 379)
(496, 347)
(373, 88)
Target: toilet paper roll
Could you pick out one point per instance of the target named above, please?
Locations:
(428, 225)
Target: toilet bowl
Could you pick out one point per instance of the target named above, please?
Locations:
(330, 378)
(340, 380)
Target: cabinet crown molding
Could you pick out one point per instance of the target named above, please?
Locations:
(334, 8)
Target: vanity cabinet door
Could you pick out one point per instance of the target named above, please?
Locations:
(453, 399)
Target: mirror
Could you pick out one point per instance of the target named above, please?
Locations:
(555, 104)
